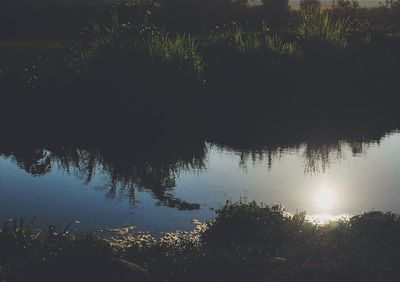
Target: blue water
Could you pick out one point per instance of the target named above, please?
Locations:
(331, 184)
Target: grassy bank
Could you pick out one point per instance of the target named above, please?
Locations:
(246, 242)
(119, 70)
(118, 67)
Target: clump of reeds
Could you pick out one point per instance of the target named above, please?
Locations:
(317, 29)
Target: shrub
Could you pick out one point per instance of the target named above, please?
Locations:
(259, 225)
(247, 241)
(276, 11)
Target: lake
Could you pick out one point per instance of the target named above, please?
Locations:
(163, 188)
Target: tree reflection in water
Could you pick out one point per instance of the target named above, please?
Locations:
(153, 166)
(151, 169)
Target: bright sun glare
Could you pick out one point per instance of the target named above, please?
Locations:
(325, 197)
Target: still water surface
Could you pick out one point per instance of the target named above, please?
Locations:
(327, 181)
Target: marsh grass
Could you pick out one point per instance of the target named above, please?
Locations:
(318, 30)
(144, 48)
(262, 43)
(161, 74)
(180, 52)
(276, 45)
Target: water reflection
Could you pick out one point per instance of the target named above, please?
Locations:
(325, 197)
(34, 161)
(151, 169)
(186, 174)
(319, 148)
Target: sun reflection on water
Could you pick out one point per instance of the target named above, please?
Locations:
(325, 197)
(325, 200)
(322, 219)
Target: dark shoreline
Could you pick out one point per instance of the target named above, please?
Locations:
(246, 242)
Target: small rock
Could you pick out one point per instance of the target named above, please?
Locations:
(278, 260)
(133, 272)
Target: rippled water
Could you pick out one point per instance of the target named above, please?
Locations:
(103, 189)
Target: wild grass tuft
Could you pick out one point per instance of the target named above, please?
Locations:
(179, 52)
(317, 29)
(140, 49)
(263, 44)
(276, 45)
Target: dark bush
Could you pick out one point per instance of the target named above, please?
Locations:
(276, 12)
(310, 4)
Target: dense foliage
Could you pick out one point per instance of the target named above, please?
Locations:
(246, 242)
(132, 64)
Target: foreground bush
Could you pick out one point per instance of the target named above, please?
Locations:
(246, 242)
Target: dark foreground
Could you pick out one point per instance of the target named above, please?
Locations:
(246, 242)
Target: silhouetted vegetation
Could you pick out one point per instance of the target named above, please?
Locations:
(129, 61)
(246, 242)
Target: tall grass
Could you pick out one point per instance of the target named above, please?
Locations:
(276, 45)
(249, 43)
(142, 49)
(180, 52)
(263, 43)
(317, 29)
